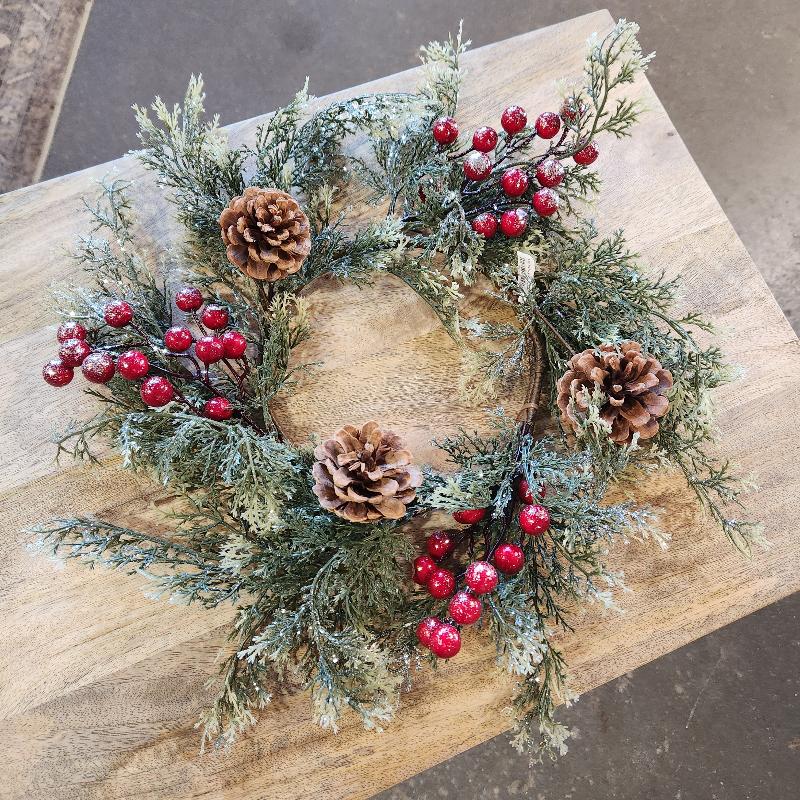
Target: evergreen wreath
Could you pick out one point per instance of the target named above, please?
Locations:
(311, 543)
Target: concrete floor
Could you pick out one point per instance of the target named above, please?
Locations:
(719, 718)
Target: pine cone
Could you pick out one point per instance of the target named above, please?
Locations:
(634, 383)
(266, 233)
(363, 474)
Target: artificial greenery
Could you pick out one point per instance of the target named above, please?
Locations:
(323, 604)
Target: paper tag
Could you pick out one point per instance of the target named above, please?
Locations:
(526, 267)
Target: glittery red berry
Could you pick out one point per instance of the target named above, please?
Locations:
(508, 558)
(133, 364)
(481, 577)
(524, 492)
(469, 516)
(571, 108)
(209, 349)
(235, 344)
(188, 299)
(550, 173)
(484, 139)
(514, 181)
(421, 569)
(445, 130)
(514, 221)
(98, 367)
(588, 155)
(534, 520)
(545, 202)
(178, 339)
(441, 583)
(157, 391)
(485, 225)
(73, 351)
(218, 408)
(439, 544)
(57, 373)
(117, 313)
(514, 119)
(426, 629)
(477, 166)
(465, 608)
(214, 317)
(548, 124)
(70, 330)
(445, 641)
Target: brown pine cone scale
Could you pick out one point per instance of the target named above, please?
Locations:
(363, 474)
(634, 383)
(266, 233)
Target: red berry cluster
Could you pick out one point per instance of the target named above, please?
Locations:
(442, 636)
(99, 366)
(516, 182)
(75, 351)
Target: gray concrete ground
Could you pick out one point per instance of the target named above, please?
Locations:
(719, 718)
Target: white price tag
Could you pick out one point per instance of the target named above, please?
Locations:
(526, 267)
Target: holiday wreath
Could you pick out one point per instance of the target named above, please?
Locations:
(312, 543)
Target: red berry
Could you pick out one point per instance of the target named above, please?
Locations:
(484, 139)
(157, 391)
(548, 124)
(485, 225)
(426, 629)
(188, 299)
(98, 367)
(514, 181)
(514, 222)
(469, 516)
(422, 569)
(445, 641)
(178, 339)
(481, 577)
(545, 202)
(133, 364)
(209, 349)
(57, 373)
(73, 351)
(550, 172)
(465, 608)
(439, 544)
(441, 583)
(218, 408)
(524, 492)
(214, 317)
(571, 108)
(234, 343)
(117, 313)
(534, 520)
(588, 155)
(514, 119)
(445, 130)
(508, 558)
(70, 330)
(477, 166)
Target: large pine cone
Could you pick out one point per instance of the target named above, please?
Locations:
(364, 475)
(266, 233)
(634, 383)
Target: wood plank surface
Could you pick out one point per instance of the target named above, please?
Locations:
(100, 686)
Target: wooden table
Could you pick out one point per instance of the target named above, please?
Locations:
(100, 686)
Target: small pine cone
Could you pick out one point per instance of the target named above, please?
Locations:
(634, 383)
(364, 474)
(266, 233)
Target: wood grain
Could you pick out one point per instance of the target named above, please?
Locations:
(99, 686)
